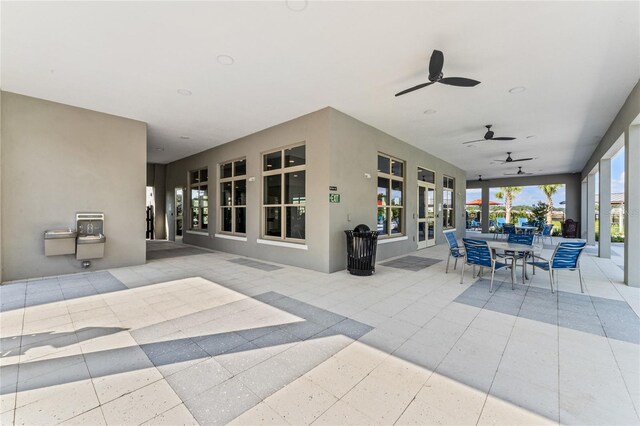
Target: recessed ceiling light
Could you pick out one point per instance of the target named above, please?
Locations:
(517, 89)
(297, 5)
(531, 136)
(225, 60)
(185, 137)
(184, 92)
(430, 111)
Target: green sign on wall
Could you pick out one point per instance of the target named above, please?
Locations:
(334, 198)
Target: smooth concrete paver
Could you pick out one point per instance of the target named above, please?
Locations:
(196, 337)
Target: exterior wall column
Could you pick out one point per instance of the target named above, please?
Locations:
(604, 246)
(485, 209)
(590, 222)
(632, 206)
(583, 209)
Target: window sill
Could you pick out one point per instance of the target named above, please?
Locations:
(231, 237)
(392, 240)
(283, 244)
(197, 232)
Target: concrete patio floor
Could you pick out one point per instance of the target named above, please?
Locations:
(200, 337)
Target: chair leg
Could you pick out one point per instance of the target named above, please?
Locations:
(446, 270)
(462, 274)
(551, 279)
(513, 273)
(455, 264)
(493, 271)
(580, 275)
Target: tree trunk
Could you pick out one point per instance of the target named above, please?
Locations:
(507, 203)
(550, 210)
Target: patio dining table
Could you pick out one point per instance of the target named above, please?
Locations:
(525, 229)
(507, 246)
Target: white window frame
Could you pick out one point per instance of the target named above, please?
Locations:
(198, 185)
(233, 179)
(388, 207)
(283, 206)
(452, 207)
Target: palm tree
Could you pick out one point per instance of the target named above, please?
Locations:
(508, 193)
(549, 190)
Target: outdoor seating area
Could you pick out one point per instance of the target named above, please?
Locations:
(211, 338)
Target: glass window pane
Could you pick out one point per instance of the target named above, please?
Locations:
(397, 168)
(195, 177)
(421, 202)
(272, 223)
(382, 221)
(421, 231)
(396, 221)
(272, 161)
(226, 219)
(195, 198)
(383, 164)
(295, 156)
(431, 231)
(240, 198)
(295, 222)
(272, 189)
(225, 170)
(204, 175)
(240, 168)
(383, 191)
(195, 217)
(205, 218)
(225, 194)
(396, 193)
(204, 198)
(426, 175)
(294, 192)
(241, 223)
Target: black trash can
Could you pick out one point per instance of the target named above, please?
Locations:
(361, 250)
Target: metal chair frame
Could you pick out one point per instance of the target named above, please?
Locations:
(454, 249)
(478, 253)
(565, 256)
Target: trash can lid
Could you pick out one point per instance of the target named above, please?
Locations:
(361, 228)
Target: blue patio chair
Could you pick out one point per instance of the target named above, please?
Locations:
(526, 239)
(454, 249)
(508, 229)
(545, 233)
(478, 253)
(522, 221)
(565, 256)
(501, 221)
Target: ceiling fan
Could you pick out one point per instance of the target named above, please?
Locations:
(511, 160)
(489, 136)
(435, 75)
(482, 180)
(519, 173)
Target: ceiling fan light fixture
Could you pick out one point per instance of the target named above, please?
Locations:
(517, 89)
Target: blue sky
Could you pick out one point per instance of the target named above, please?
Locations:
(532, 194)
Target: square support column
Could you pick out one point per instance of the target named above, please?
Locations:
(485, 209)
(590, 222)
(583, 209)
(604, 245)
(632, 206)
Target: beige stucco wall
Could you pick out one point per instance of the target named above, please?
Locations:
(313, 130)
(58, 160)
(340, 150)
(354, 151)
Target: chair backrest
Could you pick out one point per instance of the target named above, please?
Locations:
(567, 254)
(509, 228)
(521, 239)
(451, 238)
(522, 221)
(546, 230)
(501, 220)
(477, 252)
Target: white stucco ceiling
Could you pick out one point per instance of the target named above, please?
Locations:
(578, 62)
